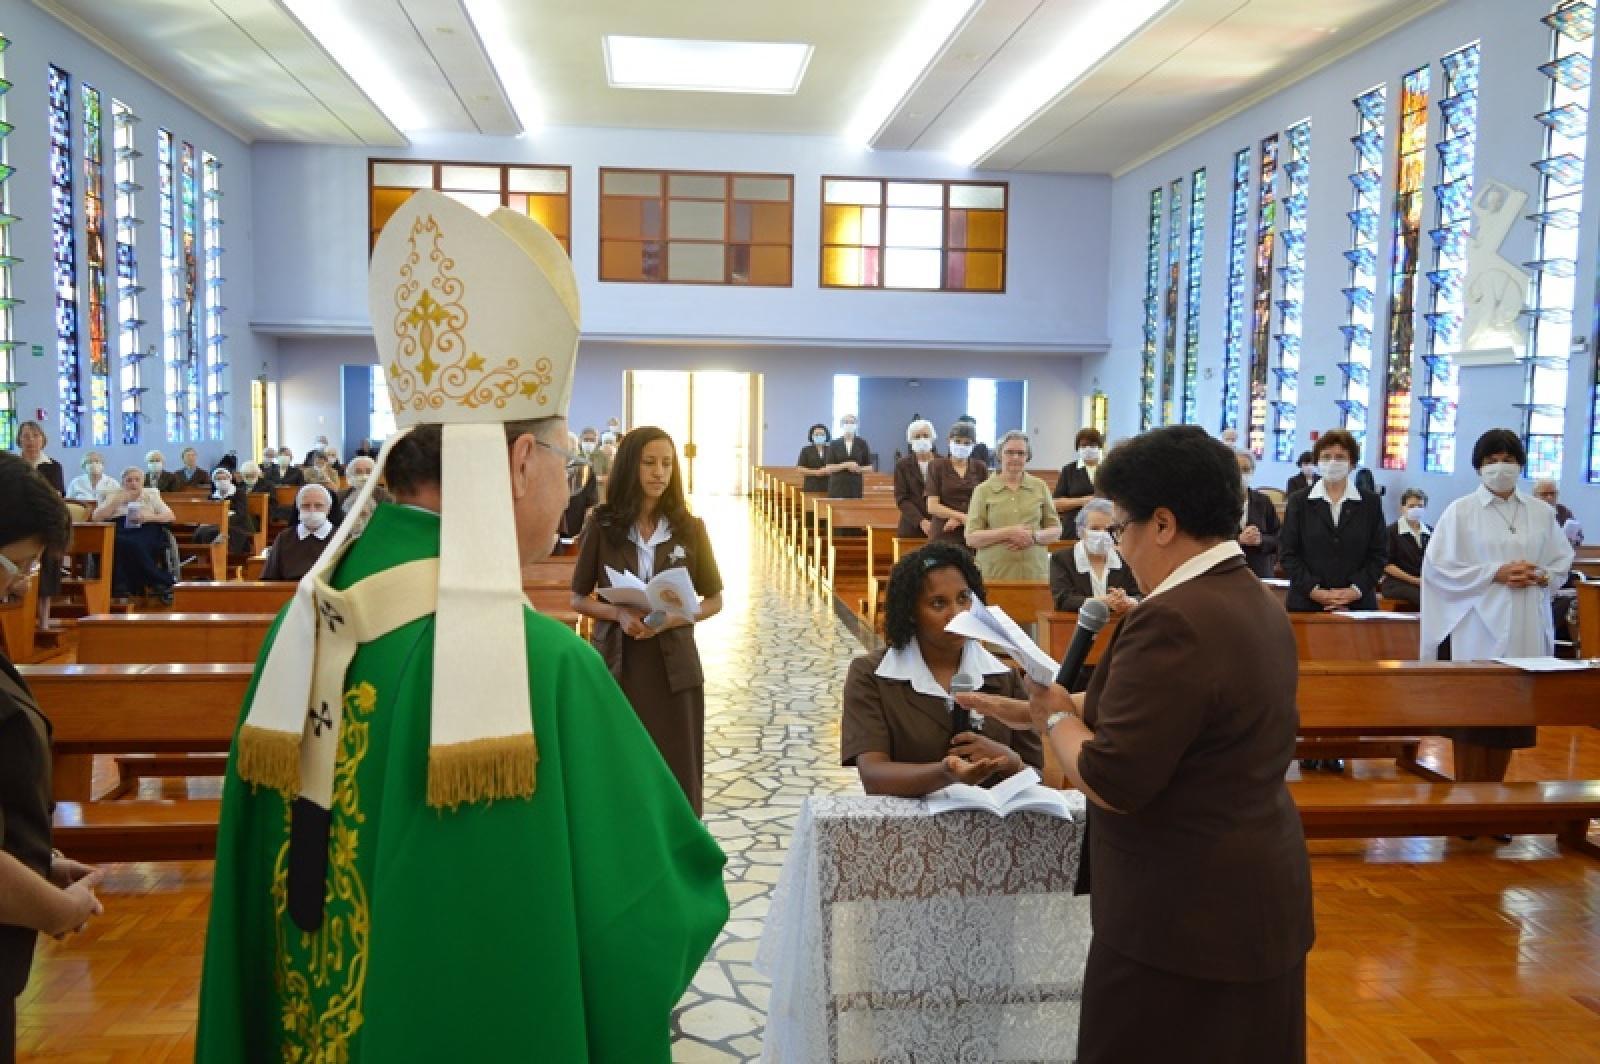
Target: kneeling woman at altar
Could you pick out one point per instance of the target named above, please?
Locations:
(902, 730)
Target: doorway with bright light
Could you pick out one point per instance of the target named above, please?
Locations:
(713, 417)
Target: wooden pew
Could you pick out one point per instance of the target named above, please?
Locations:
(1340, 637)
(140, 830)
(260, 505)
(1589, 618)
(188, 515)
(1023, 600)
(18, 619)
(172, 638)
(844, 549)
(883, 551)
(1587, 561)
(97, 541)
(232, 596)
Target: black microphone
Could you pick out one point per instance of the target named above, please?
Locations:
(960, 716)
(1092, 616)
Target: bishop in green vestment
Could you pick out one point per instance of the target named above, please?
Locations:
(561, 927)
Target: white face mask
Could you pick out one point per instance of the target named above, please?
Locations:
(1333, 470)
(359, 480)
(1246, 478)
(1097, 541)
(848, 428)
(1500, 477)
(1088, 455)
(154, 467)
(224, 487)
(588, 446)
(921, 445)
(250, 479)
(1415, 513)
(960, 451)
(313, 519)
(283, 461)
(607, 440)
(94, 469)
(1308, 471)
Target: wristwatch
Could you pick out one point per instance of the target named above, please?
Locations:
(1053, 719)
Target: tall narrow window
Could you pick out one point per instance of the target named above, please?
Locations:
(1191, 296)
(172, 345)
(1100, 412)
(1238, 266)
(94, 257)
(846, 397)
(1152, 314)
(983, 403)
(64, 257)
(1402, 340)
(8, 337)
(1291, 308)
(1169, 339)
(216, 362)
(1361, 294)
(129, 353)
(1458, 139)
(1261, 318)
(189, 263)
(1560, 200)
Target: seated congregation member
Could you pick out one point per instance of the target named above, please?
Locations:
(190, 477)
(1258, 524)
(93, 482)
(1302, 480)
(320, 447)
(1201, 885)
(815, 456)
(583, 490)
(357, 473)
(1408, 542)
(1334, 542)
(849, 456)
(1075, 486)
(911, 481)
(1011, 517)
(298, 547)
(283, 472)
(156, 475)
(241, 525)
(1092, 569)
(252, 480)
(141, 539)
(40, 890)
(1495, 559)
(645, 527)
(1549, 493)
(951, 482)
(31, 442)
(365, 449)
(901, 730)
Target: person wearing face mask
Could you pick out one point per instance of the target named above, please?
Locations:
(1075, 486)
(1093, 569)
(1302, 480)
(815, 456)
(141, 518)
(1487, 579)
(1408, 542)
(92, 483)
(156, 475)
(980, 450)
(298, 547)
(1258, 523)
(283, 473)
(357, 473)
(911, 482)
(849, 456)
(320, 447)
(241, 526)
(1334, 542)
(252, 481)
(1549, 492)
(951, 482)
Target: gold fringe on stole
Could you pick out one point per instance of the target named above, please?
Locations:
(270, 758)
(482, 770)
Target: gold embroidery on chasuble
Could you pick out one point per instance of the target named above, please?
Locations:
(434, 365)
(320, 976)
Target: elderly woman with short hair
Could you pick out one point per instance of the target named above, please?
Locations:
(1011, 517)
(1093, 569)
(141, 539)
(911, 481)
(1408, 542)
(1334, 542)
(298, 547)
(93, 482)
(1258, 522)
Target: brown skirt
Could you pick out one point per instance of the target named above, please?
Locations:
(1133, 1013)
(676, 722)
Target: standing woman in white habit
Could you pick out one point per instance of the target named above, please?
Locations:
(1495, 558)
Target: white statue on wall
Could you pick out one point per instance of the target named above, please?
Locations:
(1493, 332)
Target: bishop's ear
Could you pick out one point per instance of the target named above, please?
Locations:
(524, 465)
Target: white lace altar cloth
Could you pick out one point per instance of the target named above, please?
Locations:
(898, 936)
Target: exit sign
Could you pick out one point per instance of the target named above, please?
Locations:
(1319, 380)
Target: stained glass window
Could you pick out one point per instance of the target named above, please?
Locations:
(172, 332)
(64, 256)
(8, 338)
(1554, 285)
(541, 192)
(1261, 319)
(1291, 307)
(1401, 345)
(129, 353)
(215, 357)
(697, 228)
(1169, 341)
(189, 279)
(1191, 295)
(94, 259)
(1238, 262)
(925, 235)
(1457, 146)
(1100, 412)
(1361, 293)
(1152, 315)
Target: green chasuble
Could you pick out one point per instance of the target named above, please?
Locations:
(559, 928)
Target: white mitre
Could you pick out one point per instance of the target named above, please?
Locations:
(476, 321)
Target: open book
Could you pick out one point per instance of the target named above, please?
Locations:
(670, 591)
(990, 624)
(1022, 791)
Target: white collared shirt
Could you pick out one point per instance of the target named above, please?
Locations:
(1097, 581)
(1510, 510)
(1417, 533)
(322, 533)
(1319, 490)
(647, 548)
(1201, 563)
(907, 664)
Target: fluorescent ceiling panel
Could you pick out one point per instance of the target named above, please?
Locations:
(511, 66)
(900, 72)
(1103, 31)
(773, 68)
(352, 50)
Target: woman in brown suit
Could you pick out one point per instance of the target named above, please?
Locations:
(951, 482)
(1201, 898)
(911, 482)
(644, 527)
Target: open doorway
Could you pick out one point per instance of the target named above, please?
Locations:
(712, 418)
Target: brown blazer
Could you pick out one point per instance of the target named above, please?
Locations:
(953, 491)
(911, 495)
(25, 808)
(889, 717)
(1204, 871)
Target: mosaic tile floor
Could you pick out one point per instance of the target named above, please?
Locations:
(775, 662)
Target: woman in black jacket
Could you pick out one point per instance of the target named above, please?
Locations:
(1075, 485)
(1334, 541)
(1258, 525)
(814, 456)
(849, 456)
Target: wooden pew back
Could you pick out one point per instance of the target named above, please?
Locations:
(232, 596)
(171, 638)
(17, 620)
(1318, 636)
(188, 515)
(1589, 619)
(97, 541)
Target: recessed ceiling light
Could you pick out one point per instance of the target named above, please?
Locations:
(511, 66)
(898, 74)
(770, 67)
(349, 47)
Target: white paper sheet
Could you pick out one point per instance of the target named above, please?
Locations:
(1550, 664)
(991, 625)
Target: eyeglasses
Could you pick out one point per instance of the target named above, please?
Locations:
(12, 570)
(1115, 531)
(566, 456)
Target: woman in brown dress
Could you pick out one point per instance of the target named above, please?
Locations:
(644, 527)
(950, 484)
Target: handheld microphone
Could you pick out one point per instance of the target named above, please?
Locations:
(1092, 616)
(964, 718)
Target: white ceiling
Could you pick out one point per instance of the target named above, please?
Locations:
(253, 67)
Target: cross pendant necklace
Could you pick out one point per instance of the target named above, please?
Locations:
(1511, 522)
